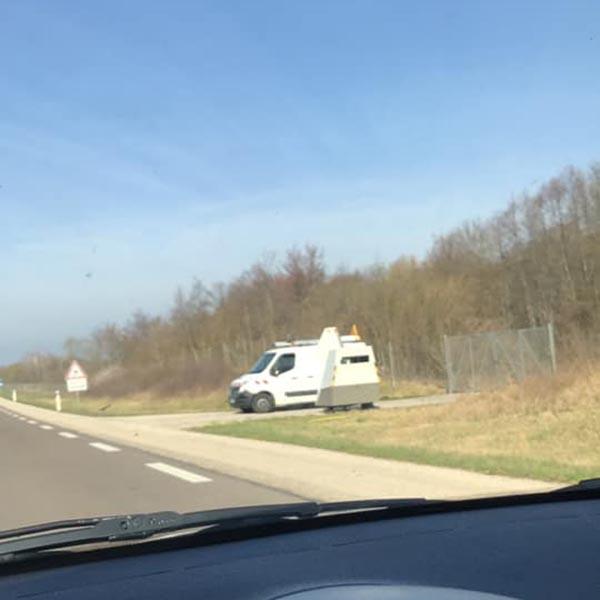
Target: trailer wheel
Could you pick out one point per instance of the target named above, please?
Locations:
(263, 403)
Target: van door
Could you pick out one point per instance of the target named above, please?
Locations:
(291, 380)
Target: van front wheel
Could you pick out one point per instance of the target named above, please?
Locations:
(263, 403)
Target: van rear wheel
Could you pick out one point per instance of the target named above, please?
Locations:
(263, 403)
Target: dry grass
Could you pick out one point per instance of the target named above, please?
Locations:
(133, 404)
(409, 389)
(545, 429)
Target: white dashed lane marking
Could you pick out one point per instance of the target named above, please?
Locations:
(182, 474)
(177, 472)
(104, 447)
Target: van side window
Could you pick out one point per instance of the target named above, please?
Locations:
(284, 363)
(364, 358)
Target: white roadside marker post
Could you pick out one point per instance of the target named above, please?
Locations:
(57, 401)
(14, 395)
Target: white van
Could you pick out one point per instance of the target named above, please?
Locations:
(304, 371)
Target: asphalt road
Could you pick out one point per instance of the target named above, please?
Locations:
(48, 473)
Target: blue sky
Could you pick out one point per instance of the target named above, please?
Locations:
(147, 143)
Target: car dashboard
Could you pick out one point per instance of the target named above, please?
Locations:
(540, 551)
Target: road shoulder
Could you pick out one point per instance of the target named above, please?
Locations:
(308, 472)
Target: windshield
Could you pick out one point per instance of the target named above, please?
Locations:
(262, 363)
(395, 205)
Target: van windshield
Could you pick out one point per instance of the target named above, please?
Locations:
(262, 363)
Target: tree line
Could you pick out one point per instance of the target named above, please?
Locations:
(536, 261)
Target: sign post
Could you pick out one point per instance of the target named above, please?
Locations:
(76, 379)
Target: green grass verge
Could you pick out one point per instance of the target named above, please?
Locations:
(290, 431)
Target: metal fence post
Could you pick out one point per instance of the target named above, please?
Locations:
(392, 365)
(521, 355)
(448, 365)
(551, 344)
(472, 361)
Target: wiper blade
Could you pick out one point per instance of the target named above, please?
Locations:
(37, 539)
(349, 506)
(52, 526)
(64, 534)
(79, 532)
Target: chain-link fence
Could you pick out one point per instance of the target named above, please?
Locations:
(494, 358)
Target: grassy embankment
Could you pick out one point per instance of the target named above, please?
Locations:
(147, 404)
(137, 404)
(544, 429)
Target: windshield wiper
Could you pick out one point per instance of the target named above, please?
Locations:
(78, 532)
(37, 539)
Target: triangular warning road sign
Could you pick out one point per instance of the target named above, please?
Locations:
(75, 371)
